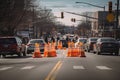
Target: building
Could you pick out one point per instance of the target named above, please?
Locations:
(101, 26)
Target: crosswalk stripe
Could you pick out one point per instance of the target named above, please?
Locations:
(27, 67)
(78, 67)
(103, 68)
(5, 68)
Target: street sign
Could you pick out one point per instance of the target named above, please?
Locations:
(110, 17)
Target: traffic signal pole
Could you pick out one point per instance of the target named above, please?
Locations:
(117, 20)
(103, 7)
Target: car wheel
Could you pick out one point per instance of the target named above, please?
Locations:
(88, 50)
(19, 54)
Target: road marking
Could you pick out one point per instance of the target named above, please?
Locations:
(53, 73)
(78, 67)
(5, 68)
(103, 68)
(27, 67)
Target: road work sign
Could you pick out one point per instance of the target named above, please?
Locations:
(110, 17)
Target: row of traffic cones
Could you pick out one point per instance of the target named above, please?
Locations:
(75, 51)
(49, 51)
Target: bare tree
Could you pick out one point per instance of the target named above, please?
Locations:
(11, 15)
(84, 28)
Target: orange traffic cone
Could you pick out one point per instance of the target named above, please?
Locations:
(37, 53)
(52, 52)
(46, 50)
(69, 52)
(61, 45)
(75, 52)
(82, 53)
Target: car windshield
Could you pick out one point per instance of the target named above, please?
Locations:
(7, 40)
(82, 40)
(108, 39)
(94, 39)
(37, 41)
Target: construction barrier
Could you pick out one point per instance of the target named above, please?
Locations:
(36, 53)
(49, 50)
(75, 51)
(52, 51)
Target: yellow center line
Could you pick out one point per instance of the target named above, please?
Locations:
(56, 68)
(55, 74)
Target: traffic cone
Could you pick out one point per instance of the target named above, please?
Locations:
(37, 53)
(46, 50)
(52, 52)
(78, 51)
(75, 52)
(68, 44)
(60, 44)
(69, 52)
(82, 53)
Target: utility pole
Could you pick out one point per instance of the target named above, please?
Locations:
(117, 20)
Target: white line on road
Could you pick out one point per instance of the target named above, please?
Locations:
(103, 68)
(78, 67)
(5, 68)
(27, 67)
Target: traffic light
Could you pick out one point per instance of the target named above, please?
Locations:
(73, 20)
(110, 6)
(62, 14)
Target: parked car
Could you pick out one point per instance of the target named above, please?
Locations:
(31, 45)
(11, 45)
(106, 45)
(90, 43)
(64, 43)
(82, 40)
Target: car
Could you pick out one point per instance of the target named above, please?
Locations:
(90, 43)
(106, 45)
(82, 40)
(11, 45)
(31, 45)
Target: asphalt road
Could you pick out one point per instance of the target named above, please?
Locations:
(91, 67)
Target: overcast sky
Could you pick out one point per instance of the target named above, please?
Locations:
(69, 5)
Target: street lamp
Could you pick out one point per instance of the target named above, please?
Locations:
(92, 5)
(103, 7)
